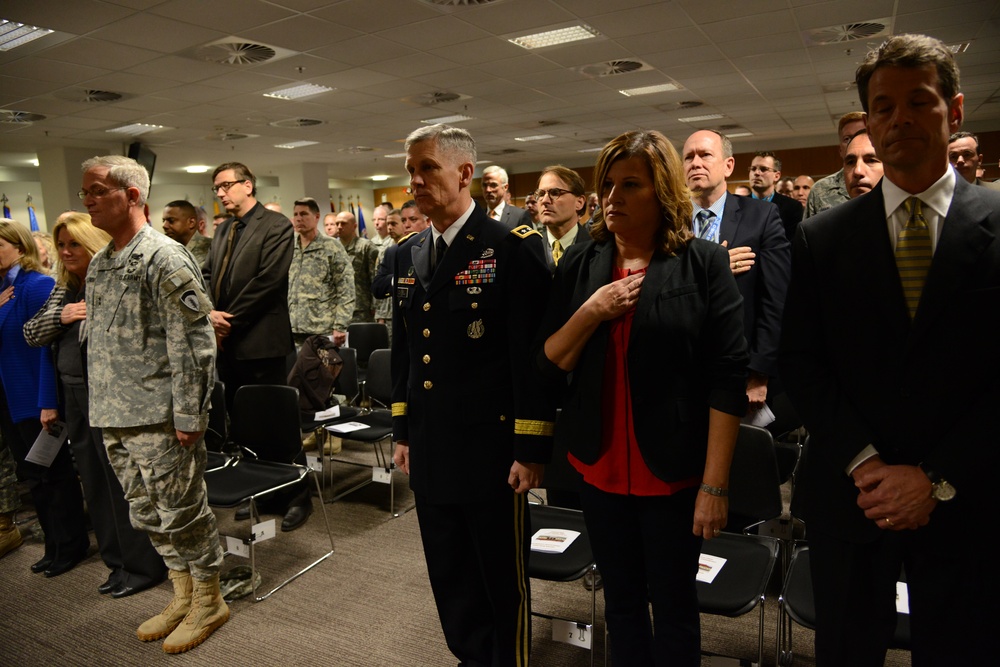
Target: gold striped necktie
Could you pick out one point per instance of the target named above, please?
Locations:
(913, 254)
(557, 252)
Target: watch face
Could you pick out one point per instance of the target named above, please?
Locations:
(943, 491)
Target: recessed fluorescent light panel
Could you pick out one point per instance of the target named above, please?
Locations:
(380, 177)
(595, 149)
(135, 129)
(197, 169)
(535, 137)
(698, 119)
(555, 36)
(298, 92)
(737, 135)
(393, 156)
(13, 34)
(457, 118)
(296, 144)
(649, 90)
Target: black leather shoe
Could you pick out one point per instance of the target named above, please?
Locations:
(62, 566)
(242, 512)
(124, 590)
(295, 517)
(109, 585)
(42, 565)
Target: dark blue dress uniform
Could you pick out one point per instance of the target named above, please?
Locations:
(464, 399)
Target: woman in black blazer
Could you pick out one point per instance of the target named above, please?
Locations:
(644, 344)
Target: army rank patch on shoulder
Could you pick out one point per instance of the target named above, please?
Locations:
(524, 231)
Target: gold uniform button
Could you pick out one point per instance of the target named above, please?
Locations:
(427, 333)
(503, 418)
(475, 305)
(427, 306)
(427, 358)
(428, 384)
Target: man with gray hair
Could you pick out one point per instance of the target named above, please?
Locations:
(151, 357)
(495, 191)
(468, 419)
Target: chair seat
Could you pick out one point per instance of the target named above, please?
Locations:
(741, 582)
(572, 563)
(230, 486)
(379, 426)
(347, 413)
(217, 460)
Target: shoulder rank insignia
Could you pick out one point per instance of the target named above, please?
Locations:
(524, 231)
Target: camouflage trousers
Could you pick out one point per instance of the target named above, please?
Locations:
(164, 485)
(9, 500)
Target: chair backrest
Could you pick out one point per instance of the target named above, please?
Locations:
(218, 430)
(378, 385)
(366, 337)
(347, 381)
(265, 420)
(754, 486)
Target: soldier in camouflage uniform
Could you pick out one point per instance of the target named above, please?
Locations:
(831, 191)
(364, 257)
(320, 279)
(151, 367)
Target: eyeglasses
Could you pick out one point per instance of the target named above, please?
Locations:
(761, 169)
(555, 193)
(225, 185)
(96, 192)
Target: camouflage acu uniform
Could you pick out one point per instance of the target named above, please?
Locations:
(199, 247)
(320, 288)
(151, 356)
(383, 307)
(364, 257)
(826, 193)
(9, 500)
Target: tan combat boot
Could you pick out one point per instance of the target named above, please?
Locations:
(10, 536)
(208, 612)
(164, 623)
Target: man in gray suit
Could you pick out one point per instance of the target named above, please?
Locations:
(495, 185)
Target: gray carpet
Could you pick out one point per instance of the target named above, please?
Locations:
(369, 605)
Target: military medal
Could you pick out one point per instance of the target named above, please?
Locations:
(476, 329)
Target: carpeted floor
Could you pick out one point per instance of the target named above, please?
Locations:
(368, 605)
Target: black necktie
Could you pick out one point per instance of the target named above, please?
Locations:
(440, 248)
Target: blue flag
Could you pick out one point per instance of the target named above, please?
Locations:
(32, 219)
(361, 221)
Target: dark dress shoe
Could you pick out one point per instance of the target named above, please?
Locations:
(295, 517)
(242, 512)
(64, 565)
(110, 584)
(42, 565)
(124, 590)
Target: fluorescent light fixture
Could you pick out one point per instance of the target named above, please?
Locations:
(33, 162)
(380, 177)
(13, 34)
(296, 144)
(736, 135)
(456, 118)
(697, 119)
(555, 36)
(297, 92)
(135, 129)
(394, 156)
(960, 47)
(535, 137)
(648, 90)
(197, 169)
(595, 149)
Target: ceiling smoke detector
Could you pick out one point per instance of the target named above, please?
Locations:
(613, 67)
(848, 32)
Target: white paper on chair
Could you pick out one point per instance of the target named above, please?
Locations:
(902, 598)
(47, 445)
(709, 567)
(346, 427)
(329, 413)
(552, 540)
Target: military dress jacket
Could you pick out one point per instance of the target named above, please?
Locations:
(150, 345)
(463, 395)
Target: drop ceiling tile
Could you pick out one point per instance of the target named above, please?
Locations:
(229, 16)
(156, 33)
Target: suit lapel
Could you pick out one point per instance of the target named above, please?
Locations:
(730, 220)
(658, 273)
(420, 255)
(252, 229)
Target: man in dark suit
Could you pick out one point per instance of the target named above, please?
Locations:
(888, 354)
(765, 172)
(562, 200)
(495, 189)
(468, 421)
(758, 250)
(247, 277)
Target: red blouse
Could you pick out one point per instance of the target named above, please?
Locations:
(620, 467)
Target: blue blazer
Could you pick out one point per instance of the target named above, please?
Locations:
(28, 374)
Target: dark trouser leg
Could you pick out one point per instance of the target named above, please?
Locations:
(477, 563)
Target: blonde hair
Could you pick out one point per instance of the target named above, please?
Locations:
(50, 250)
(82, 230)
(19, 236)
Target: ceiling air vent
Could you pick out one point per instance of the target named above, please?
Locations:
(613, 67)
(296, 122)
(459, 3)
(504, 151)
(231, 136)
(88, 96)
(354, 150)
(19, 117)
(848, 32)
(234, 51)
(680, 106)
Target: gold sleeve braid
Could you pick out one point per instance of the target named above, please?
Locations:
(533, 427)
